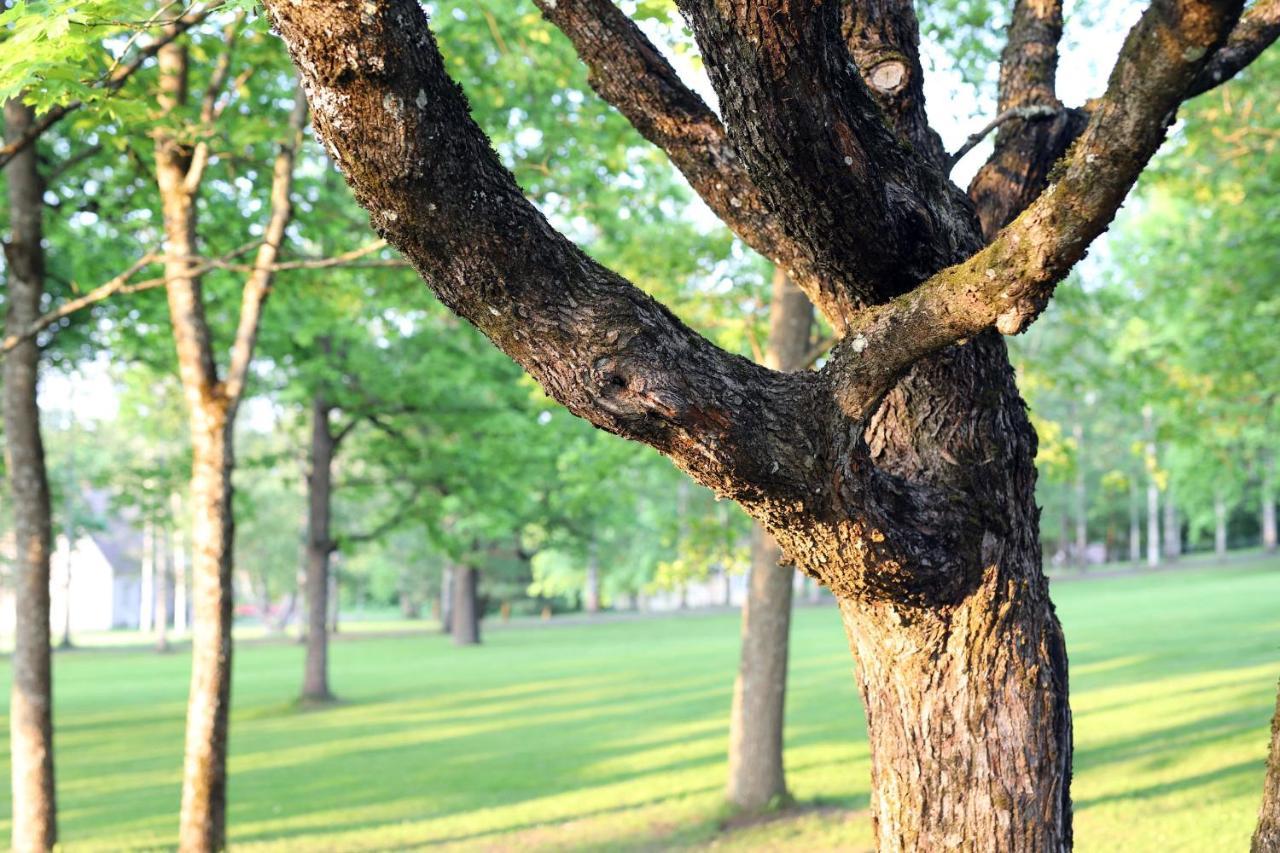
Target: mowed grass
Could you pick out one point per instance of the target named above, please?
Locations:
(612, 736)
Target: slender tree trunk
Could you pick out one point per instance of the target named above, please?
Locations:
(466, 606)
(756, 771)
(1266, 838)
(1064, 526)
(315, 685)
(1135, 526)
(178, 548)
(1172, 528)
(1269, 541)
(162, 591)
(31, 694)
(147, 578)
(204, 796)
(591, 600)
(1081, 502)
(448, 578)
(1153, 490)
(1220, 525)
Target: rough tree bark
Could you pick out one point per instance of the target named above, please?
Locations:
(320, 545)
(212, 401)
(756, 771)
(31, 693)
(901, 474)
(1266, 837)
(465, 618)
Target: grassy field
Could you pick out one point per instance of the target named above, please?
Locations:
(612, 736)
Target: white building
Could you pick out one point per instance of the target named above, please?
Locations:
(99, 581)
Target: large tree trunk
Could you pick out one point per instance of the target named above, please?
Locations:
(31, 694)
(1266, 838)
(466, 606)
(315, 685)
(967, 716)
(756, 770)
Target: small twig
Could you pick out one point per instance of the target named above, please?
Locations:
(120, 284)
(1037, 111)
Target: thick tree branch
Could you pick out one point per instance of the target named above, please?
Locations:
(112, 82)
(123, 284)
(1029, 142)
(629, 72)
(401, 131)
(817, 144)
(1009, 282)
(1258, 28)
(884, 39)
(258, 285)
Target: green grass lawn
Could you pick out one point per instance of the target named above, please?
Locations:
(612, 736)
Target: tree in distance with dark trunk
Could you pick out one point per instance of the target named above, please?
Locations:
(901, 474)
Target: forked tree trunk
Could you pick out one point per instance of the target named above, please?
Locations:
(466, 606)
(315, 685)
(756, 719)
(31, 693)
(1266, 837)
